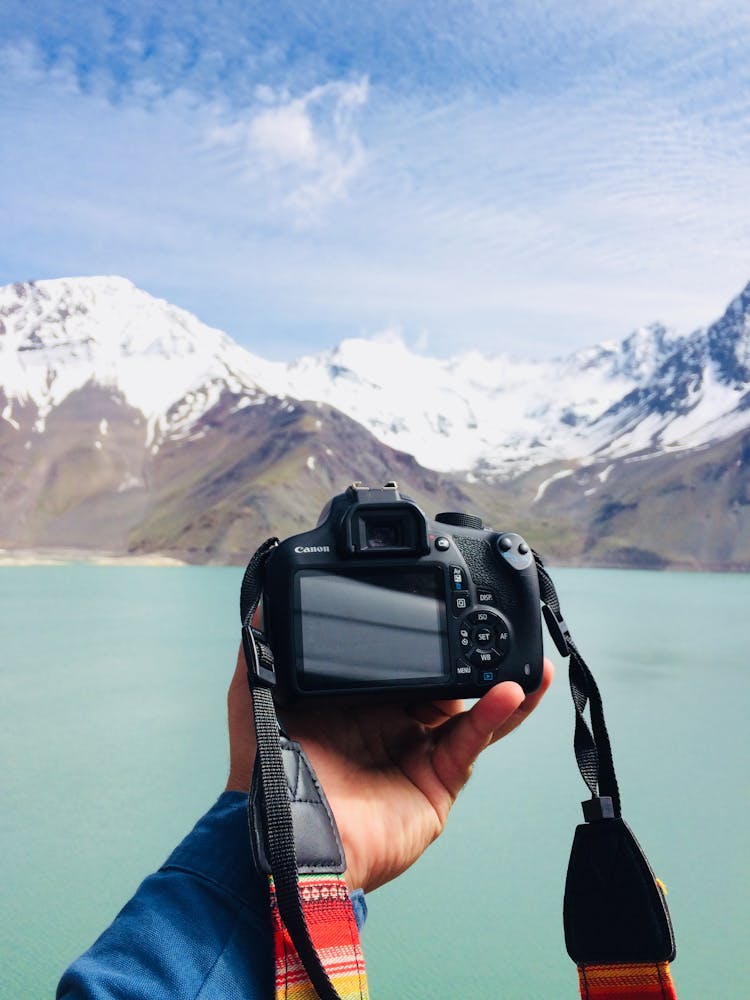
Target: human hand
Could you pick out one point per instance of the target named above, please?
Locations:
(390, 772)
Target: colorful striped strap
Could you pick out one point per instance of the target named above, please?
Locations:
(626, 982)
(333, 929)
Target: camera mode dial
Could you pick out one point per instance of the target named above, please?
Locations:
(459, 520)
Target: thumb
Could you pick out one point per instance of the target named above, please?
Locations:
(460, 741)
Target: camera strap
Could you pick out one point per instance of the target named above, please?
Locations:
(617, 925)
(295, 842)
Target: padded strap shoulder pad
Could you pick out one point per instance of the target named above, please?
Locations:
(317, 843)
(614, 910)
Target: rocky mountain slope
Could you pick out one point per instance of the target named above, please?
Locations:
(127, 425)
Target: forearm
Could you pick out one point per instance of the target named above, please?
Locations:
(198, 926)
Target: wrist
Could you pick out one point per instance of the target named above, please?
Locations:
(238, 781)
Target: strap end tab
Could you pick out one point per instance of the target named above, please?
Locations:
(614, 912)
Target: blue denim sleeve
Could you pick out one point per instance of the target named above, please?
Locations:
(199, 927)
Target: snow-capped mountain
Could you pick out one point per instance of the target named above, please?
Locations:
(499, 415)
(484, 415)
(58, 336)
(128, 426)
(698, 393)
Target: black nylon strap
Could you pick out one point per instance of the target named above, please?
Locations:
(252, 581)
(591, 745)
(274, 788)
(614, 910)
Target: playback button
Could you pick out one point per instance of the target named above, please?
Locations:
(485, 675)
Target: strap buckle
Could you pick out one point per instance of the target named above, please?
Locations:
(598, 808)
(558, 629)
(260, 668)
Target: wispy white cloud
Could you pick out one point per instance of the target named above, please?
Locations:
(304, 151)
(505, 174)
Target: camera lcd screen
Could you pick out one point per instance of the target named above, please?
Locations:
(371, 627)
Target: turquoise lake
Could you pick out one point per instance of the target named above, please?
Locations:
(113, 742)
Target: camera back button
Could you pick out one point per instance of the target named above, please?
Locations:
(486, 675)
(464, 673)
(483, 637)
(485, 658)
(460, 604)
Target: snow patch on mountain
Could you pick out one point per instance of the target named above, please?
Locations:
(484, 415)
(497, 414)
(59, 335)
(714, 413)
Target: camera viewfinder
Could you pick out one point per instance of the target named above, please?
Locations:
(381, 530)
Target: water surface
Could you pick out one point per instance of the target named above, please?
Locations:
(113, 684)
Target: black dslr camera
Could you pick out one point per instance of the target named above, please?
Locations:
(378, 599)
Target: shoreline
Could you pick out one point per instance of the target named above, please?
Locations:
(67, 557)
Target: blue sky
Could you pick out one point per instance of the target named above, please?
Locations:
(523, 177)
